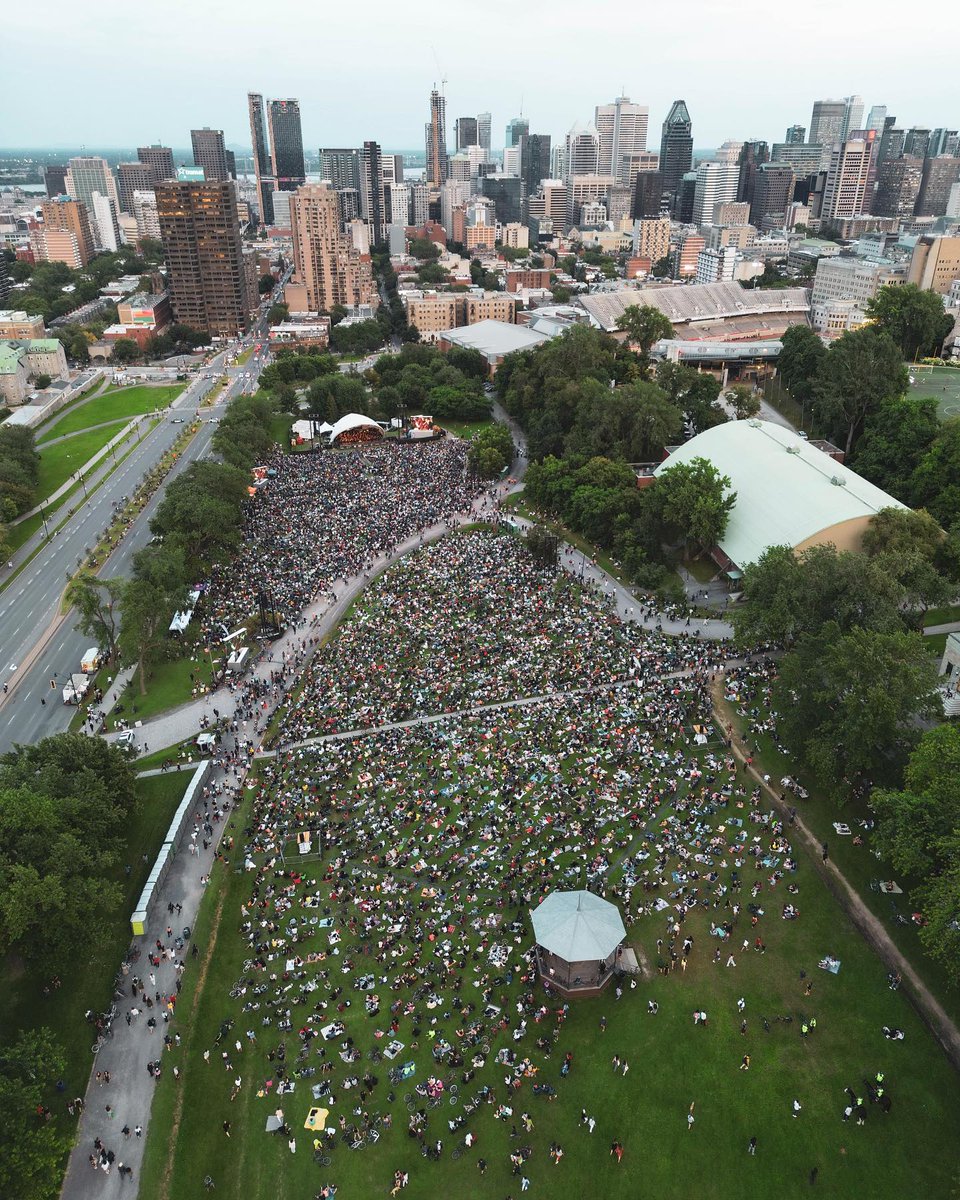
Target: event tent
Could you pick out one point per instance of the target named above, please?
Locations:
(352, 424)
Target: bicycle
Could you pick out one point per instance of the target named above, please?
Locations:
(98, 1044)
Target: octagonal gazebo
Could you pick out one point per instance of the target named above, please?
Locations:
(579, 939)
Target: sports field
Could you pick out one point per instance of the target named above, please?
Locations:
(942, 383)
(375, 915)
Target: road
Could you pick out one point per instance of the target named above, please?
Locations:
(32, 709)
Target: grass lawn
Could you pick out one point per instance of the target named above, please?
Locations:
(466, 429)
(89, 984)
(936, 644)
(280, 426)
(942, 383)
(857, 863)
(111, 406)
(168, 685)
(59, 462)
(941, 616)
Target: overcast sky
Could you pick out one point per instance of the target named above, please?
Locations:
(119, 74)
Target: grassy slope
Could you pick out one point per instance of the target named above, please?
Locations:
(111, 406)
(168, 685)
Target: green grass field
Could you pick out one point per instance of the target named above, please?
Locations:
(942, 383)
(168, 685)
(466, 429)
(111, 406)
(23, 1002)
(60, 461)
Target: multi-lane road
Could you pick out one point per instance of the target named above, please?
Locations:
(30, 604)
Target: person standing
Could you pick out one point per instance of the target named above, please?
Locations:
(752, 1146)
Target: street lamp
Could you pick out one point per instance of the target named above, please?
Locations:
(43, 518)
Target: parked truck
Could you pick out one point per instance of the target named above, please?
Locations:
(91, 660)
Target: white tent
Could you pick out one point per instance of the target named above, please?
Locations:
(577, 926)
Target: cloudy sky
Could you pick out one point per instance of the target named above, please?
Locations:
(120, 74)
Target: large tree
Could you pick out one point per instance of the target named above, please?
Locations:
(895, 438)
(695, 392)
(935, 484)
(914, 319)
(862, 370)
(918, 829)
(848, 701)
(97, 603)
(693, 503)
(644, 326)
(800, 360)
(202, 512)
(157, 588)
(31, 1165)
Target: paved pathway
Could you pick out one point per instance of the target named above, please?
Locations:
(949, 627)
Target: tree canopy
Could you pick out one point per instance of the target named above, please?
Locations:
(693, 503)
(644, 326)
(914, 319)
(862, 370)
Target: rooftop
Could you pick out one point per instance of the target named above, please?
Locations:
(697, 302)
(787, 490)
(494, 338)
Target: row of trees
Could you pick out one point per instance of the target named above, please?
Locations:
(19, 471)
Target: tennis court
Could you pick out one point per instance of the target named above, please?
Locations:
(942, 383)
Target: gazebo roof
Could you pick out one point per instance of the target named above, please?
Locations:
(577, 926)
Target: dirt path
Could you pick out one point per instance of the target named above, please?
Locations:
(869, 926)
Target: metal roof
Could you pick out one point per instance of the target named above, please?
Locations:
(494, 338)
(787, 490)
(577, 926)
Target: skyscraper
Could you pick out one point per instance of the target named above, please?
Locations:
(484, 125)
(262, 164)
(917, 142)
(160, 159)
(85, 176)
(943, 141)
(876, 118)
(796, 135)
(200, 231)
(772, 191)
(582, 151)
(827, 122)
(939, 176)
(436, 139)
(132, 177)
(622, 127)
(716, 184)
(676, 147)
(340, 167)
(105, 219)
(898, 186)
(516, 128)
(891, 141)
(326, 265)
(534, 160)
(466, 132)
(210, 154)
(752, 156)
(55, 179)
(70, 217)
(845, 190)
(852, 114)
(647, 196)
(286, 145)
(371, 190)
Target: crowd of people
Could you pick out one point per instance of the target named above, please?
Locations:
(322, 517)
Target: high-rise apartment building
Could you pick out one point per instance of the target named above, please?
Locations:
(326, 264)
(391, 166)
(892, 141)
(898, 186)
(160, 160)
(372, 199)
(105, 218)
(55, 180)
(916, 143)
(716, 184)
(210, 154)
(132, 177)
(534, 159)
(676, 147)
(796, 135)
(85, 176)
(70, 217)
(752, 156)
(582, 151)
(340, 168)
(466, 132)
(200, 231)
(845, 190)
(398, 203)
(508, 195)
(647, 196)
(939, 176)
(622, 128)
(145, 214)
(419, 204)
(772, 191)
(827, 122)
(651, 238)
(935, 264)
(484, 127)
(436, 139)
(262, 162)
(454, 194)
(286, 145)
(515, 130)
(943, 141)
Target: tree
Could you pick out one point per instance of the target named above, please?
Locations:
(800, 360)
(41, 381)
(896, 436)
(862, 370)
(97, 603)
(935, 483)
(918, 829)
(277, 313)
(491, 451)
(560, 293)
(644, 325)
(156, 590)
(695, 392)
(914, 319)
(201, 512)
(125, 350)
(266, 284)
(788, 595)
(693, 503)
(847, 701)
(744, 401)
(31, 1165)
(543, 546)
(901, 531)
(423, 249)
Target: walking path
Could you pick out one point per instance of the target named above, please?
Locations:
(949, 627)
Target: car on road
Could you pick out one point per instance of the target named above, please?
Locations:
(178, 420)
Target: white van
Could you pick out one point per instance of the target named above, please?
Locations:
(206, 741)
(91, 660)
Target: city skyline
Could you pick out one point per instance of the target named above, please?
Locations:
(555, 88)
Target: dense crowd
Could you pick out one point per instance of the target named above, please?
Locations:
(323, 517)
(468, 621)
